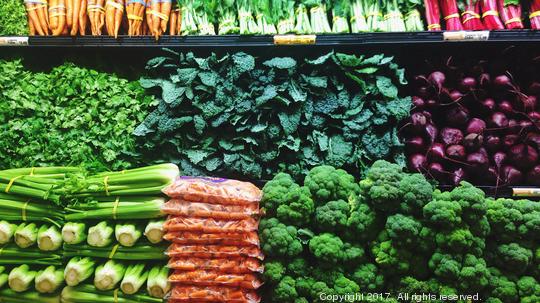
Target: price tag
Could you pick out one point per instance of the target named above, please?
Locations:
(525, 192)
(466, 36)
(295, 39)
(13, 41)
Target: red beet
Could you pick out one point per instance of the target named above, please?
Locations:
(457, 116)
(484, 80)
(455, 95)
(473, 142)
(498, 120)
(509, 141)
(488, 104)
(467, 84)
(436, 170)
(437, 79)
(533, 176)
(415, 144)
(503, 81)
(458, 175)
(511, 176)
(476, 126)
(534, 88)
(431, 132)
(499, 158)
(493, 143)
(523, 156)
(418, 103)
(436, 152)
(456, 152)
(417, 162)
(505, 107)
(478, 161)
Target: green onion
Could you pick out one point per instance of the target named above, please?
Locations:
(20, 278)
(74, 232)
(108, 275)
(124, 209)
(49, 238)
(26, 235)
(89, 294)
(141, 251)
(127, 234)
(13, 255)
(78, 270)
(49, 280)
(9, 296)
(158, 281)
(133, 279)
(6, 231)
(3, 277)
(154, 231)
(100, 235)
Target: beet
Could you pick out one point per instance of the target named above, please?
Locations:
(476, 126)
(533, 139)
(455, 95)
(437, 79)
(418, 121)
(489, 105)
(431, 132)
(451, 136)
(467, 84)
(523, 156)
(458, 175)
(529, 103)
(505, 107)
(533, 176)
(473, 142)
(484, 80)
(418, 103)
(534, 88)
(493, 143)
(424, 92)
(535, 117)
(417, 162)
(478, 161)
(457, 116)
(525, 125)
(513, 127)
(415, 144)
(503, 81)
(498, 120)
(511, 176)
(509, 141)
(456, 152)
(499, 158)
(431, 104)
(436, 170)
(436, 152)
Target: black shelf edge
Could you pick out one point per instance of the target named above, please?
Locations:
(402, 38)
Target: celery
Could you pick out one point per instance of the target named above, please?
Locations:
(154, 231)
(158, 281)
(78, 270)
(108, 275)
(100, 235)
(6, 231)
(141, 251)
(133, 279)
(74, 232)
(3, 277)
(49, 238)
(49, 280)
(9, 296)
(147, 209)
(20, 278)
(26, 235)
(89, 294)
(127, 234)
(14, 208)
(13, 255)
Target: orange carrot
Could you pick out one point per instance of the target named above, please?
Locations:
(173, 20)
(156, 24)
(69, 13)
(119, 13)
(75, 17)
(165, 13)
(149, 17)
(129, 12)
(109, 17)
(83, 18)
(43, 18)
(100, 16)
(33, 18)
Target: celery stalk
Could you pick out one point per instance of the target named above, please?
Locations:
(20, 278)
(6, 231)
(74, 232)
(158, 281)
(108, 275)
(26, 235)
(154, 231)
(89, 294)
(100, 235)
(133, 279)
(49, 238)
(127, 234)
(49, 280)
(78, 270)
(3, 276)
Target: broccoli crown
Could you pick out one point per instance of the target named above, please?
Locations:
(297, 208)
(275, 192)
(328, 276)
(298, 267)
(504, 219)
(368, 277)
(443, 213)
(528, 289)
(273, 271)
(447, 267)
(285, 290)
(304, 286)
(501, 287)
(344, 286)
(326, 247)
(472, 201)
(456, 240)
(332, 217)
(411, 285)
(530, 229)
(329, 184)
(381, 186)
(279, 240)
(387, 256)
(363, 223)
(352, 254)
(513, 258)
(403, 229)
(319, 288)
(416, 192)
(474, 274)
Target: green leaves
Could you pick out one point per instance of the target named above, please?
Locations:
(250, 118)
(13, 18)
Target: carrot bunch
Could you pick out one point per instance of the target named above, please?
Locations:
(96, 13)
(114, 12)
(135, 15)
(38, 19)
(76, 17)
(491, 15)
(58, 17)
(158, 16)
(511, 14)
(175, 24)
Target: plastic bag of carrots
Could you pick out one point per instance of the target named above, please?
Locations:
(96, 14)
(214, 191)
(187, 293)
(198, 238)
(38, 17)
(242, 265)
(213, 251)
(211, 278)
(183, 208)
(210, 225)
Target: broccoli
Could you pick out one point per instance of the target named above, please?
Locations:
(472, 201)
(327, 248)
(332, 217)
(304, 286)
(403, 229)
(504, 219)
(352, 254)
(445, 266)
(381, 186)
(501, 287)
(328, 276)
(530, 229)
(285, 290)
(416, 192)
(275, 191)
(298, 207)
(279, 240)
(344, 286)
(329, 184)
(273, 271)
(298, 267)
(443, 213)
(368, 277)
(363, 223)
(301, 300)
(528, 290)
(387, 256)
(455, 240)
(513, 258)
(474, 274)
(319, 288)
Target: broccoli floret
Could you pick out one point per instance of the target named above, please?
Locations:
(319, 288)
(381, 186)
(456, 240)
(327, 248)
(329, 184)
(513, 258)
(503, 218)
(285, 290)
(304, 286)
(279, 240)
(416, 192)
(275, 191)
(528, 290)
(445, 266)
(426, 240)
(531, 225)
(474, 275)
(388, 257)
(368, 277)
(301, 300)
(501, 287)
(332, 217)
(328, 276)
(472, 201)
(273, 271)
(443, 213)
(480, 228)
(412, 285)
(298, 267)
(352, 254)
(403, 230)
(344, 286)
(297, 207)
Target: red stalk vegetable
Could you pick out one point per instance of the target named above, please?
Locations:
(511, 176)
(534, 15)
(471, 16)
(451, 15)
(417, 162)
(433, 15)
(490, 15)
(511, 13)
(458, 175)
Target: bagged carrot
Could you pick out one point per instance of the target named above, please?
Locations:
(114, 12)
(183, 208)
(214, 190)
(223, 265)
(38, 20)
(74, 15)
(96, 14)
(213, 251)
(135, 15)
(160, 11)
(198, 238)
(209, 278)
(175, 23)
(189, 293)
(57, 17)
(210, 225)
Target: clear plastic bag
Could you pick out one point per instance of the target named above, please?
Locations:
(224, 265)
(187, 293)
(214, 191)
(178, 207)
(214, 251)
(211, 278)
(198, 238)
(210, 225)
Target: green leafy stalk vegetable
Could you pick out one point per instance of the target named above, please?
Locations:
(120, 208)
(49, 280)
(319, 18)
(20, 278)
(74, 232)
(108, 275)
(228, 23)
(303, 25)
(141, 251)
(127, 234)
(12, 254)
(358, 17)
(49, 238)
(26, 235)
(341, 9)
(78, 270)
(19, 208)
(393, 17)
(264, 18)
(100, 235)
(3, 276)
(189, 26)
(8, 295)
(375, 16)
(158, 281)
(6, 231)
(154, 231)
(248, 26)
(134, 279)
(204, 16)
(413, 18)
(283, 11)
(89, 294)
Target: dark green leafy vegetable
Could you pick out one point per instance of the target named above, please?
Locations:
(13, 20)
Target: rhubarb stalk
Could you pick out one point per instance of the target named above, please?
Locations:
(535, 14)
(511, 13)
(433, 15)
(471, 19)
(451, 15)
(490, 15)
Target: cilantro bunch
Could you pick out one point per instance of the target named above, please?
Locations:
(13, 18)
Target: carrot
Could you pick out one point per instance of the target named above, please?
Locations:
(149, 17)
(156, 9)
(53, 22)
(61, 29)
(172, 22)
(33, 18)
(109, 17)
(83, 18)
(100, 18)
(75, 17)
(69, 13)
(165, 13)
(119, 13)
(139, 9)
(43, 19)
(129, 12)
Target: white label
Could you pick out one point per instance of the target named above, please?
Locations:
(466, 36)
(13, 41)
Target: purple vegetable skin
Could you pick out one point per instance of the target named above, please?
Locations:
(451, 136)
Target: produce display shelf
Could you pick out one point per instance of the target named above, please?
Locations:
(514, 36)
